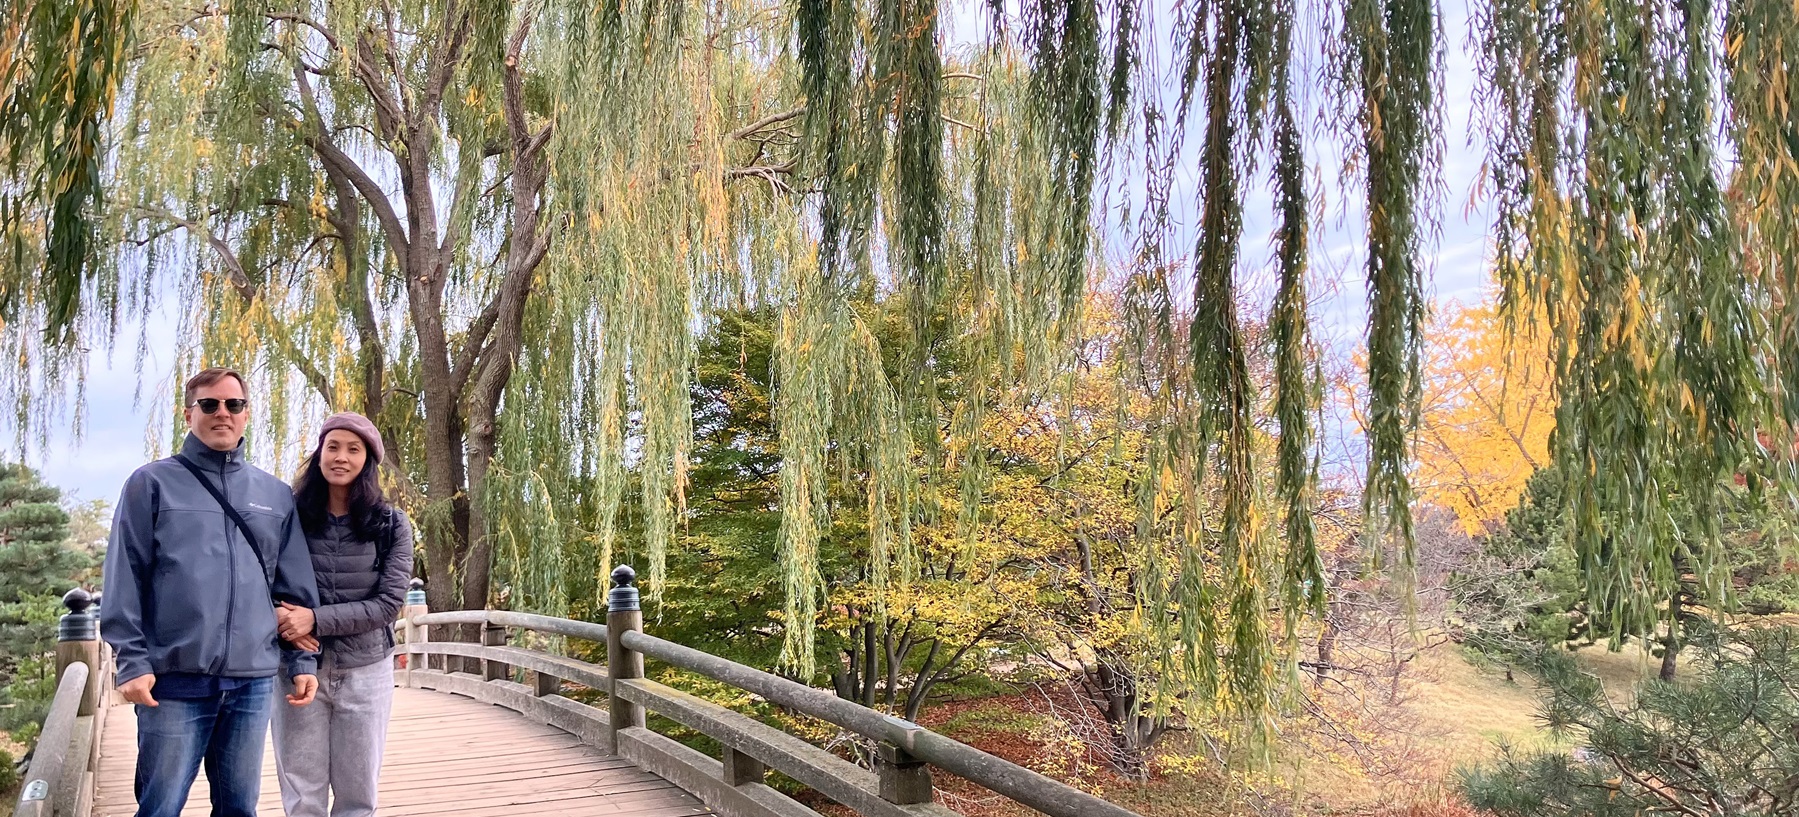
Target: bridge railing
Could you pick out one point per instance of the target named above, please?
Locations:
(60, 779)
(732, 784)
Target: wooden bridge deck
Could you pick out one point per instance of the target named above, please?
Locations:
(448, 755)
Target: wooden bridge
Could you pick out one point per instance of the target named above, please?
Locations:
(506, 739)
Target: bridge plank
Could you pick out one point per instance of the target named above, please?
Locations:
(449, 755)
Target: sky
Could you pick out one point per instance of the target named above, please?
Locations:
(123, 397)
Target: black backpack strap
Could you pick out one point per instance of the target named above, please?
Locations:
(242, 525)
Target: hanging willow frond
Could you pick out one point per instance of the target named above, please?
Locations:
(1761, 85)
(1615, 224)
(60, 66)
(1296, 380)
(1388, 72)
(1202, 462)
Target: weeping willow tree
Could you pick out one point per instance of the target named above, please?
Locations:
(498, 227)
(348, 200)
(1646, 163)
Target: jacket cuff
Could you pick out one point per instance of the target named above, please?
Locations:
(127, 669)
(303, 663)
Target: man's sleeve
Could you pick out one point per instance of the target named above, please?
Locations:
(129, 553)
(294, 583)
(383, 608)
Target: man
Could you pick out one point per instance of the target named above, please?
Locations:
(190, 606)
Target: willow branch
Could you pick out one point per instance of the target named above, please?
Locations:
(389, 112)
(492, 365)
(336, 160)
(460, 211)
(446, 57)
(234, 268)
(477, 339)
(752, 128)
(301, 19)
(247, 292)
(388, 15)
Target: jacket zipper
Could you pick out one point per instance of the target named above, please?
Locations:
(231, 565)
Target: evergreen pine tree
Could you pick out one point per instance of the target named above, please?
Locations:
(36, 567)
(1720, 744)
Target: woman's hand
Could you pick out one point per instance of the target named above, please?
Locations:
(306, 643)
(293, 621)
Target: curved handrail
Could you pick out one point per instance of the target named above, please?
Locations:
(37, 795)
(997, 774)
(585, 630)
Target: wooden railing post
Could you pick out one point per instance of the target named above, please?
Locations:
(623, 612)
(740, 768)
(494, 635)
(905, 780)
(415, 633)
(78, 639)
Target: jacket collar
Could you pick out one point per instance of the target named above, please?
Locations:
(204, 456)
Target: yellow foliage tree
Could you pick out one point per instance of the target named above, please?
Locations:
(1487, 412)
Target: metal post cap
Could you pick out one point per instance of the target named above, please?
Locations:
(78, 624)
(415, 592)
(78, 600)
(624, 596)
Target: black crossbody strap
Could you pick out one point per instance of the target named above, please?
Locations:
(243, 526)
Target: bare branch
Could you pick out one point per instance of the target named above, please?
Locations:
(447, 56)
(294, 17)
(752, 128)
(234, 268)
(477, 338)
(390, 112)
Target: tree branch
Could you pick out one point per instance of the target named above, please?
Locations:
(316, 134)
(234, 269)
(477, 338)
(752, 128)
(247, 291)
(293, 17)
(390, 112)
(446, 57)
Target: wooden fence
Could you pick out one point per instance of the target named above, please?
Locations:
(733, 783)
(60, 780)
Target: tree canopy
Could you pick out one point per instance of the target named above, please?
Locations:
(496, 227)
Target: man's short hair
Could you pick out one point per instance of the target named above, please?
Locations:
(208, 377)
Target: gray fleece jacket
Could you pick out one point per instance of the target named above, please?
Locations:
(183, 591)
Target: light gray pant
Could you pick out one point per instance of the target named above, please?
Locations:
(335, 742)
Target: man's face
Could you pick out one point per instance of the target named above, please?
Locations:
(221, 430)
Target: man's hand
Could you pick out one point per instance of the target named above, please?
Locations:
(137, 690)
(306, 643)
(293, 621)
(305, 687)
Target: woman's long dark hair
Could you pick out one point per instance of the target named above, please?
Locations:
(369, 516)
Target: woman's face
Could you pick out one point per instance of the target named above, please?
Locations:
(342, 456)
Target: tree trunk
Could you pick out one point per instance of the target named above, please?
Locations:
(870, 660)
(1671, 641)
(1129, 758)
(1327, 642)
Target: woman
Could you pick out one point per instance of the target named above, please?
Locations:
(362, 555)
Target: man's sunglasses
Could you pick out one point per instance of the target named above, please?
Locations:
(210, 405)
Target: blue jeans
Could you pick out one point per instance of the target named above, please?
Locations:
(225, 732)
